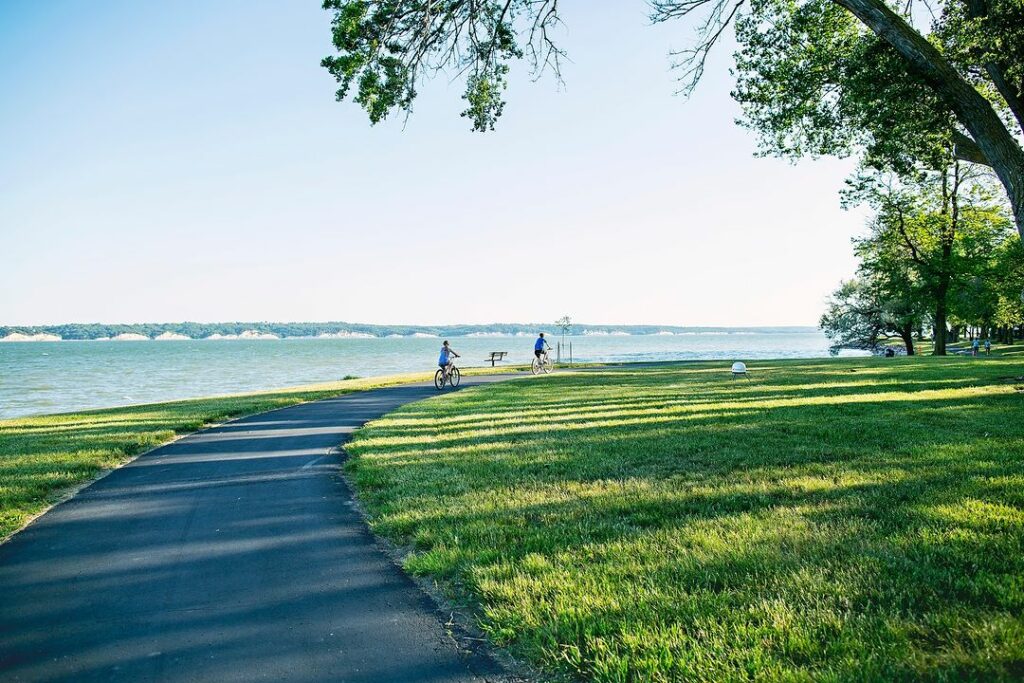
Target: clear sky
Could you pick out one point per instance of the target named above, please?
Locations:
(187, 161)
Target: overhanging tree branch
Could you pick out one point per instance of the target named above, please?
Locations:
(970, 107)
(1009, 93)
(690, 61)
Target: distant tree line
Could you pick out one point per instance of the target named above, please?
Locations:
(88, 331)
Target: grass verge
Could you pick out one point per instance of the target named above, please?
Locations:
(44, 458)
(828, 520)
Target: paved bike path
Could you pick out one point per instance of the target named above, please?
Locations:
(233, 554)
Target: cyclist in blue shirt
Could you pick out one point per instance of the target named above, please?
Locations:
(446, 359)
(540, 346)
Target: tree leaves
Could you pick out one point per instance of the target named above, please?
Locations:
(812, 81)
(386, 46)
(938, 242)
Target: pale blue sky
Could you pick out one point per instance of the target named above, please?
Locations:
(187, 161)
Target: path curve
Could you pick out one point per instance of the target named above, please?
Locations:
(233, 554)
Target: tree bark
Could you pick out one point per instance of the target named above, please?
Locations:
(972, 110)
(939, 331)
(978, 9)
(907, 334)
(967, 149)
(1009, 93)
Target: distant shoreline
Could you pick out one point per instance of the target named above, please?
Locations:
(275, 331)
(46, 377)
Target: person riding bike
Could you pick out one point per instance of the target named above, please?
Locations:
(446, 359)
(540, 346)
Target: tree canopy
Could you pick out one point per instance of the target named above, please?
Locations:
(813, 76)
(868, 310)
(937, 251)
(385, 48)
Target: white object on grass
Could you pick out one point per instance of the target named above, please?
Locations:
(739, 369)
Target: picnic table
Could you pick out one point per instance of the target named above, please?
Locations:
(496, 356)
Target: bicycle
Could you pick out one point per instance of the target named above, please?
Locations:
(543, 364)
(453, 379)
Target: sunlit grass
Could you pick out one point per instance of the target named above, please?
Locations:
(42, 458)
(827, 520)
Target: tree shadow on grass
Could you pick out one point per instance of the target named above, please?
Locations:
(873, 531)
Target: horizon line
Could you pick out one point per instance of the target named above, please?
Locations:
(398, 324)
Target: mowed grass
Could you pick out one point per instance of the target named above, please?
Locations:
(828, 520)
(43, 458)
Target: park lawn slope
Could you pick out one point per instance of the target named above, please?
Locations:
(836, 520)
(44, 458)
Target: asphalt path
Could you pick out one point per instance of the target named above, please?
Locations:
(233, 554)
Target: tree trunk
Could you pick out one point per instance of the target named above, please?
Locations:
(976, 114)
(978, 9)
(907, 333)
(939, 331)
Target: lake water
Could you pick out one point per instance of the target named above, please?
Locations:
(51, 377)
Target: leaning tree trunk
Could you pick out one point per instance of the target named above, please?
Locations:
(994, 141)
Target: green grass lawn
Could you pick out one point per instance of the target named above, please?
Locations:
(828, 520)
(43, 458)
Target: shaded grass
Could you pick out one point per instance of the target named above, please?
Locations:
(44, 458)
(828, 520)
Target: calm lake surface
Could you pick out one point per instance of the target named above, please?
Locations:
(51, 377)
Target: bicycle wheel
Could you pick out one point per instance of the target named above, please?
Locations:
(439, 379)
(454, 377)
(548, 366)
(535, 367)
